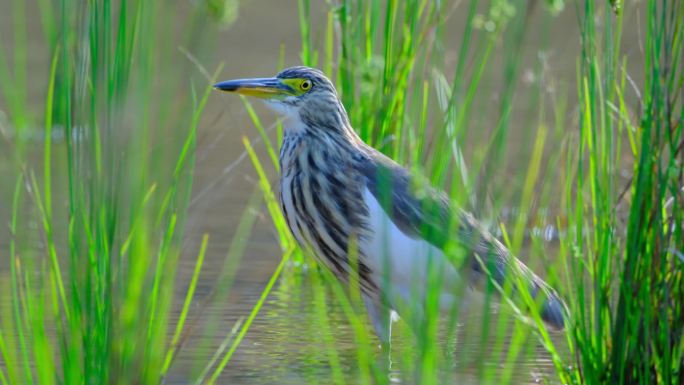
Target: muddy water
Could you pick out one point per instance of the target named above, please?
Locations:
(282, 347)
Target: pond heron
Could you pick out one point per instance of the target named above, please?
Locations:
(363, 217)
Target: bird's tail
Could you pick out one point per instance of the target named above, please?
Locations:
(513, 277)
(551, 307)
(493, 260)
(553, 311)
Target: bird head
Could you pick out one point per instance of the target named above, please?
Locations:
(301, 93)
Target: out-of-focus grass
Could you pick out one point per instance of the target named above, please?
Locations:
(93, 255)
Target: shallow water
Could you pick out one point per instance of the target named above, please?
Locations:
(283, 345)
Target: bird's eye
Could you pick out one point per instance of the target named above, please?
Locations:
(306, 85)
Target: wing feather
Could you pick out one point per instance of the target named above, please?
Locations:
(428, 214)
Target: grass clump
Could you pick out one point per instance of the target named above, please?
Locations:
(98, 212)
(626, 259)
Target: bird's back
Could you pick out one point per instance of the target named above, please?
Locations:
(426, 214)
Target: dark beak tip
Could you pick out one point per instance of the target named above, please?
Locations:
(225, 86)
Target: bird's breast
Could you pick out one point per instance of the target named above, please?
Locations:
(324, 209)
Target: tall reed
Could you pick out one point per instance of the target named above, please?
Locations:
(91, 288)
(625, 250)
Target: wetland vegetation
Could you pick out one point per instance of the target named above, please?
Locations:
(571, 153)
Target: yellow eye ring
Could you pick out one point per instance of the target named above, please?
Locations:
(306, 85)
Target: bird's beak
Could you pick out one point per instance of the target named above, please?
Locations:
(266, 88)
